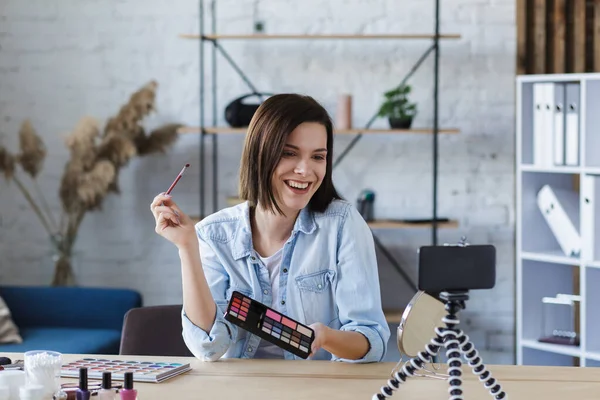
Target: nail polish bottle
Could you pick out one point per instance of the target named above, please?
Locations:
(82, 392)
(106, 392)
(128, 392)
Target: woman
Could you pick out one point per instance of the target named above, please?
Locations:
(294, 245)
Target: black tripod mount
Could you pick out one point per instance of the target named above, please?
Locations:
(457, 344)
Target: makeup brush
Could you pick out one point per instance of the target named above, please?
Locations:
(177, 179)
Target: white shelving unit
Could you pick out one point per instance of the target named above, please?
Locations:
(543, 268)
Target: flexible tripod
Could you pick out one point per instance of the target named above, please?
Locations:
(455, 342)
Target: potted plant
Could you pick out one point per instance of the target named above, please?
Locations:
(397, 108)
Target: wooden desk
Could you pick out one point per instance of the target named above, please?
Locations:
(295, 380)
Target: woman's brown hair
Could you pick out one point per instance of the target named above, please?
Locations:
(267, 134)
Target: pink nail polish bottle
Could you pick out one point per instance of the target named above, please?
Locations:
(128, 392)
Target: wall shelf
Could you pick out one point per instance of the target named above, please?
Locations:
(385, 224)
(333, 36)
(354, 131)
(552, 256)
(209, 37)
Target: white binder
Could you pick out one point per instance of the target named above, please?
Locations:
(539, 96)
(559, 124)
(572, 124)
(588, 223)
(560, 208)
(543, 124)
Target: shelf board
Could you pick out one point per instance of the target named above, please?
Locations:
(593, 264)
(385, 224)
(593, 355)
(393, 316)
(552, 256)
(592, 170)
(553, 170)
(391, 224)
(353, 131)
(342, 36)
(552, 348)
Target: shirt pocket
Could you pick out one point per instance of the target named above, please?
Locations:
(317, 297)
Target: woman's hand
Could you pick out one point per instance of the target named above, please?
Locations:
(320, 341)
(343, 344)
(172, 223)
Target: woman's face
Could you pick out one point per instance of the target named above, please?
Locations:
(301, 167)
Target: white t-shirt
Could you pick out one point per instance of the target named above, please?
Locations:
(273, 264)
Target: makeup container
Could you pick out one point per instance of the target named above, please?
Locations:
(106, 391)
(4, 392)
(13, 380)
(82, 392)
(42, 367)
(128, 392)
(270, 325)
(32, 392)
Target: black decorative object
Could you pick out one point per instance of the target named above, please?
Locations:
(365, 204)
(239, 114)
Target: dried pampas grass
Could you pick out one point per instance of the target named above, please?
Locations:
(159, 139)
(33, 150)
(7, 163)
(93, 186)
(92, 171)
(82, 141)
(127, 121)
(143, 99)
(68, 187)
(117, 149)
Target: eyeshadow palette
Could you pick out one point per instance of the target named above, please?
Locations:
(143, 371)
(270, 325)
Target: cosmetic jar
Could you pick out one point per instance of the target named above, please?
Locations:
(42, 367)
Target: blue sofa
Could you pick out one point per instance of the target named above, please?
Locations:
(68, 319)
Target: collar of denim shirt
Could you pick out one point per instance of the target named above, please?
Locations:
(305, 223)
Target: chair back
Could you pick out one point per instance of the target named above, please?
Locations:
(154, 331)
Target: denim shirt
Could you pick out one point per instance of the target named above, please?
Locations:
(328, 274)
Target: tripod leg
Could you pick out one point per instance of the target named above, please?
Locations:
(476, 363)
(409, 369)
(454, 362)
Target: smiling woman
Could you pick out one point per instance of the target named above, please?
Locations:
(293, 245)
(288, 145)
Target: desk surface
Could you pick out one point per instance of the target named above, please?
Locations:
(281, 379)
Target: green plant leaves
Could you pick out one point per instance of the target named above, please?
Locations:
(397, 104)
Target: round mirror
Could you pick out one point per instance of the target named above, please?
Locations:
(417, 326)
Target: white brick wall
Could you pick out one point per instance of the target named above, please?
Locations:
(61, 60)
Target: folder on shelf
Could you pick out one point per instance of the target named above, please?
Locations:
(560, 208)
(589, 221)
(572, 124)
(543, 123)
(538, 123)
(559, 124)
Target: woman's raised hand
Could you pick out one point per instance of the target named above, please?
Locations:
(172, 223)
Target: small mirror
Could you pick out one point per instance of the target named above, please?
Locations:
(417, 327)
